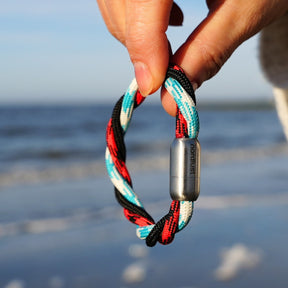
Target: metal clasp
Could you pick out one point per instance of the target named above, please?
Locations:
(185, 169)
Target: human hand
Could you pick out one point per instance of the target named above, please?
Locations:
(141, 25)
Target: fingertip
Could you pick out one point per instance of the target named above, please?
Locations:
(146, 81)
(176, 16)
(143, 78)
(168, 102)
(150, 65)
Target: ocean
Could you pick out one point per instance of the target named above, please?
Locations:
(60, 225)
(35, 138)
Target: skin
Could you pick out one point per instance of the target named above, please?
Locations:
(228, 24)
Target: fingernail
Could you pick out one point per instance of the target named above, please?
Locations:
(143, 78)
(194, 85)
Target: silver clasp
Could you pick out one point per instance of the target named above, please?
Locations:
(185, 169)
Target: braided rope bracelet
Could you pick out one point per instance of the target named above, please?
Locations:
(187, 128)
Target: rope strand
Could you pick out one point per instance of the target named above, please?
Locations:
(187, 125)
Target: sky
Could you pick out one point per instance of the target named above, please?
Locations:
(60, 51)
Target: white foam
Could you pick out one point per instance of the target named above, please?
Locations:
(34, 226)
(82, 217)
(56, 224)
(235, 259)
(78, 171)
(47, 225)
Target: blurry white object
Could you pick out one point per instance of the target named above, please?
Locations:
(134, 273)
(235, 259)
(138, 251)
(281, 102)
(15, 284)
(274, 61)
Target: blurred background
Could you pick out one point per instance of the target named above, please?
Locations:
(60, 226)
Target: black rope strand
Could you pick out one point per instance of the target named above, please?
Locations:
(183, 80)
(155, 233)
(118, 131)
(132, 207)
(121, 155)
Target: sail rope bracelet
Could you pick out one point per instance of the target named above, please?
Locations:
(184, 161)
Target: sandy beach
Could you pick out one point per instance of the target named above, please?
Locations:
(236, 238)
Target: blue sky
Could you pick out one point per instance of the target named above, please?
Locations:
(60, 51)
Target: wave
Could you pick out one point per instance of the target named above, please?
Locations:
(61, 223)
(82, 170)
(104, 216)
(41, 155)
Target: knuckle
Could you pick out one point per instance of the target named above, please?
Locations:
(143, 43)
(213, 57)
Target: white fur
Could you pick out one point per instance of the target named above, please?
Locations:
(274, 60)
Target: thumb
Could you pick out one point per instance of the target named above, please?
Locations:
(146, 41)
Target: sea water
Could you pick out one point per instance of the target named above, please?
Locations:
(39, 137)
